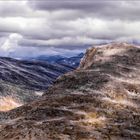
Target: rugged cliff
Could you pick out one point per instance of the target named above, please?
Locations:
(98, 101)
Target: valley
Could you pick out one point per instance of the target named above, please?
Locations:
(23, 81)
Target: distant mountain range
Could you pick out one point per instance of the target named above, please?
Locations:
(57, 59)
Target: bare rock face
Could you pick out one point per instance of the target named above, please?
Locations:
(98, 101)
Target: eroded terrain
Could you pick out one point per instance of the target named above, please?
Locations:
(98, 101)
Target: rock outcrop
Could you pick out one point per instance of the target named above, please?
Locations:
(98, 101)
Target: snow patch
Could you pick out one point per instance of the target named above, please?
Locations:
(39, 93)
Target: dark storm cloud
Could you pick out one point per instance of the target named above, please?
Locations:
(68, 4)
(104, 8)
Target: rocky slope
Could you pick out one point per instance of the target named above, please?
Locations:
(99, 101)
(23, 81)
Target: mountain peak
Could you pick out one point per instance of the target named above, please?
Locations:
(103, 53)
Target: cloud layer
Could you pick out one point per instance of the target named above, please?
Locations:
(64, 27)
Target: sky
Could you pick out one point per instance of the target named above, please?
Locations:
(29, 28)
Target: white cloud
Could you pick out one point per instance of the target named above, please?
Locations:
(10, 44)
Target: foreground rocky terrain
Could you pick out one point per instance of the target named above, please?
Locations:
(98, 101)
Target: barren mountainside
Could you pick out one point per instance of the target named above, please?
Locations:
(98, 101)
(22, 81)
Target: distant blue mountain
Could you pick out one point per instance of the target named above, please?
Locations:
(49, 58)
(61, 60)
(71, 61)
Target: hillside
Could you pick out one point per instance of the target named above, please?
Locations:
(98, 101)
(30, 74)
(22, 81)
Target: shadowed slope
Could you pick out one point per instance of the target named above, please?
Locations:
(99, 101)
(22, 81)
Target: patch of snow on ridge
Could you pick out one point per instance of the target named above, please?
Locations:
(39, 93)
